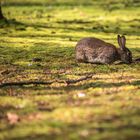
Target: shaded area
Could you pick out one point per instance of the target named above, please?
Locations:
(115, 4)
(130, 28)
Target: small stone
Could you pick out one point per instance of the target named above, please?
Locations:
(81, 94)
(30, 64)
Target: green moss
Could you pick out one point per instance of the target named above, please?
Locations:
(104, 107)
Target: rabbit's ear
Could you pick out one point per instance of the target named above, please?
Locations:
(123, 40)
(119, 41)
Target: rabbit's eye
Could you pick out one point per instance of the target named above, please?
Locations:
(128, 53)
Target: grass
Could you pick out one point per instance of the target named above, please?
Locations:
(104, 107)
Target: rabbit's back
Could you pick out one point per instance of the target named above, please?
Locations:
(94, 50)
(90, 42)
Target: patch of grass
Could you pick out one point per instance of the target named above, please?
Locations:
(38, 43)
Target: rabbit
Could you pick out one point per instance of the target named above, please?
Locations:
(94, 50)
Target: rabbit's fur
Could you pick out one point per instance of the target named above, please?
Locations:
(93, 50)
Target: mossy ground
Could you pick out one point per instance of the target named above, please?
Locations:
(104, 107)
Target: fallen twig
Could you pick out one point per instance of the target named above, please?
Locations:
(78, 80)
(23, 83)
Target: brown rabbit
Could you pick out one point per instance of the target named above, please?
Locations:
(93, 50)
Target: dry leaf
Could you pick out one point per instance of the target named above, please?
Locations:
(81, 94)
(12, 118)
